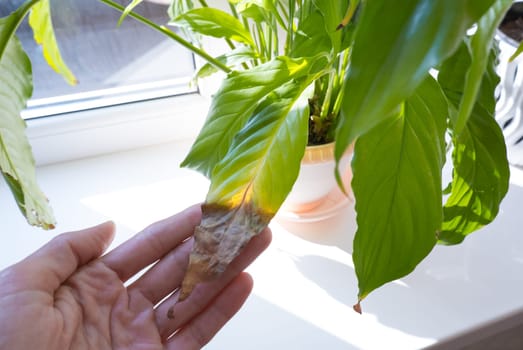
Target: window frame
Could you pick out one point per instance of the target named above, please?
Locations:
(93, 132)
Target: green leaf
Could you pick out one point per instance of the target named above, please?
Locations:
(481, 172)
(231, 59)
(16, 160)
(258, 10)
(480, 45)
(179, 7)
(516, 53)
(308, 40)
(9, 24)
(394, 48)
(128, 10)
(40, 22)
(332, 12)
(255, 172)
(215, 23)
(234, 103)
(397, 185)
(480, 179)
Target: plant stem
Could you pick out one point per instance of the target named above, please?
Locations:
(290, 27)
(342, 70)
(328, 95)
(170, 34)
(270, 41)
(262, 42)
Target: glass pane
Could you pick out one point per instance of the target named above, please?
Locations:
(112, 64)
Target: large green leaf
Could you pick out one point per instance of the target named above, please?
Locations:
(41, 23)
(264, 159)
(16, 160)
(216, 23)
(481, 172)
(234, 103)
(481, 45)
(397, 185)
(250, 184)
(394, 48)
(480, 178)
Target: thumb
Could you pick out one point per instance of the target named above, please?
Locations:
(56, 261)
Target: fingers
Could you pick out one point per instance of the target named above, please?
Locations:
(203, 327)
(152, 243)
(202, 295)
(165, 276)
(52, 264)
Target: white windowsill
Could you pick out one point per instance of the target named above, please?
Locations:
(304, 283)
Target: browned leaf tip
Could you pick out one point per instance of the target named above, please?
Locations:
(220, 237)
(357, 307)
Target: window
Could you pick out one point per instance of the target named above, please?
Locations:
(139, 76)
(113, 65)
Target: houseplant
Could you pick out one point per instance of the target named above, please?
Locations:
(402, 119)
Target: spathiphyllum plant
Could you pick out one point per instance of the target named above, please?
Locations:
(410, 83)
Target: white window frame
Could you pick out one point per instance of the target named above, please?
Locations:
(116, 128)
(122, 127)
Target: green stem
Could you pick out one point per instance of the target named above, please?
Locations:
(262, 42)
(276, 41)
(269, 36)
(328, 95)
(278, 17)
(283, 10)
(231, 45)
(344, 64)
(290, 28)
(171, 35)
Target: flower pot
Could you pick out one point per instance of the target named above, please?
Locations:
(316, 181)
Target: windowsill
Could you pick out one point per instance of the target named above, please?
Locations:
(304, 283)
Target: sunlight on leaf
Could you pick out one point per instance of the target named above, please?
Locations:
(481, 172)
(397, 185)
(391, 59)
(480, 46)
(215, 23)
(16, 159)
(41, 23)
(233, 105)
(231, 59)
(246, 191)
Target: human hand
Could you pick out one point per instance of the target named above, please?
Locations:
(67, 296)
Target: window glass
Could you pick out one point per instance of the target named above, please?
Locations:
(112, 64)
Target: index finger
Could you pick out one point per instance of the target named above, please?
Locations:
(152, 243)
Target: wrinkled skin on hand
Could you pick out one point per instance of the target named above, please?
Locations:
(68, 296)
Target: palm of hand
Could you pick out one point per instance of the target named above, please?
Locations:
(92, 310)
(60, 298)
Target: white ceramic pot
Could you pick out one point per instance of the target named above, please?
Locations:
(316, 178)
